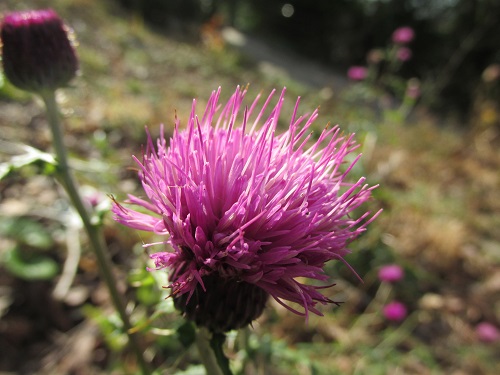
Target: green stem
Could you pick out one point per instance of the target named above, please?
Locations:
(95, 235)
(211, 354)
(216, 343)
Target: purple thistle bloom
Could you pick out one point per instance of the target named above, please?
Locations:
(403, 35)
(390, 273)
(242, 205)
(487, 332)
(357, 73)
(395, 311)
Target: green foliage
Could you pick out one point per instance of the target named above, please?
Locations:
(9, 92)
(26, 232)
(110, 325)
(43, 161)
(29, 265)
(24, 258)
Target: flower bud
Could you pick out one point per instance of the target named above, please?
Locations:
(403, 54)
(37, 53)
(375, 56)
(226, 304)
(413, 90)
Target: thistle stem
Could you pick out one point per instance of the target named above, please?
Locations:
(211, 354)
(96, 238)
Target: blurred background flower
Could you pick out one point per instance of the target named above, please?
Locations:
(390, 273)
(487, 332)
(403, 54)
(357, 73)
(403, 35)
(395, 311)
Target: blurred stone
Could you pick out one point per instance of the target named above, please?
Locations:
(431, 301)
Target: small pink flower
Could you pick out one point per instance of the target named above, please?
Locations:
(403, 35)
(395, 311)
(390, 273)
(487, 332)
(413, 89)
(357, 73)
(403, 54)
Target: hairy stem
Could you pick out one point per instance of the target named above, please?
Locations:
(211, 354)
(96, 238)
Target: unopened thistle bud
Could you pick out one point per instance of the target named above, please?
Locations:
(224, 305)
(37, 52)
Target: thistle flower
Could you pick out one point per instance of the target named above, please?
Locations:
(390, 273)
(357, 73)
(248, 213)
(403, 35)
(395, 311)
(487, 332)
(37, 53)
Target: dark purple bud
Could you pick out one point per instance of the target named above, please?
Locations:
(37, 52)
(226, 304)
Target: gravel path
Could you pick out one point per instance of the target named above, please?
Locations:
(307, 72)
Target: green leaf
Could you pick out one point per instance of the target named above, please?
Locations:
(29, 156)
(193, 370)
(26, 231)
(29, 265)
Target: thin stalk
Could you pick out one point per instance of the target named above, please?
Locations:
(210, 356)
(96, 238)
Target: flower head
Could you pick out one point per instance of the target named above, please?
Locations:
(37, 53)
(403, 54)
(395, 311)
(487, 332)
(403, 35)
(248, 213)
(357, 73)
(390, 273)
